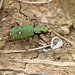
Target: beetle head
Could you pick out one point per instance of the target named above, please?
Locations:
(44, 29)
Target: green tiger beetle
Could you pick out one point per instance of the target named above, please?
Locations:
(25, 31)
(20, 32)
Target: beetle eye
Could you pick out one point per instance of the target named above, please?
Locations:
(45, 25)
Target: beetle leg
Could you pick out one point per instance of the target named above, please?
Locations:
(1, 47)
(12, 24)
(34, 24)
(18, 24)
(42, 39)
(18, 41)
(30, 43)
(37, 23)
(28, 47)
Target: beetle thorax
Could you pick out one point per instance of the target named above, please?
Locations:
(40, 29)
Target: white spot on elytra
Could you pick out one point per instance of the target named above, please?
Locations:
(19, 32)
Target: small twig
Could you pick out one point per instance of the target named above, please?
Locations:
(35, 2)
(13, 69)
(72, 37)
(18, 70)
(21, 51)
(43, 62)
(1, 3)
(72, 43)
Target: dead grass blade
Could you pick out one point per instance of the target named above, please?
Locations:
(35, 2)
(22, 51)
(38, 61)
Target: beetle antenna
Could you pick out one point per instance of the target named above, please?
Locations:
(54, 27)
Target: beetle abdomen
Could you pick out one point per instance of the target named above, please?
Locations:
(24, 31)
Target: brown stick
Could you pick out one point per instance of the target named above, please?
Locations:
(18, 70)
(43, 62)
(21, 51)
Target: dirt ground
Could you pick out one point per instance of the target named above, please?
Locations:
(51, 14)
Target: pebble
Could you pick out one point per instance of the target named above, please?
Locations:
(64, 30)
(74, 26)
(73, 57)
(0, 38)
(60, 16)
(56, 43)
